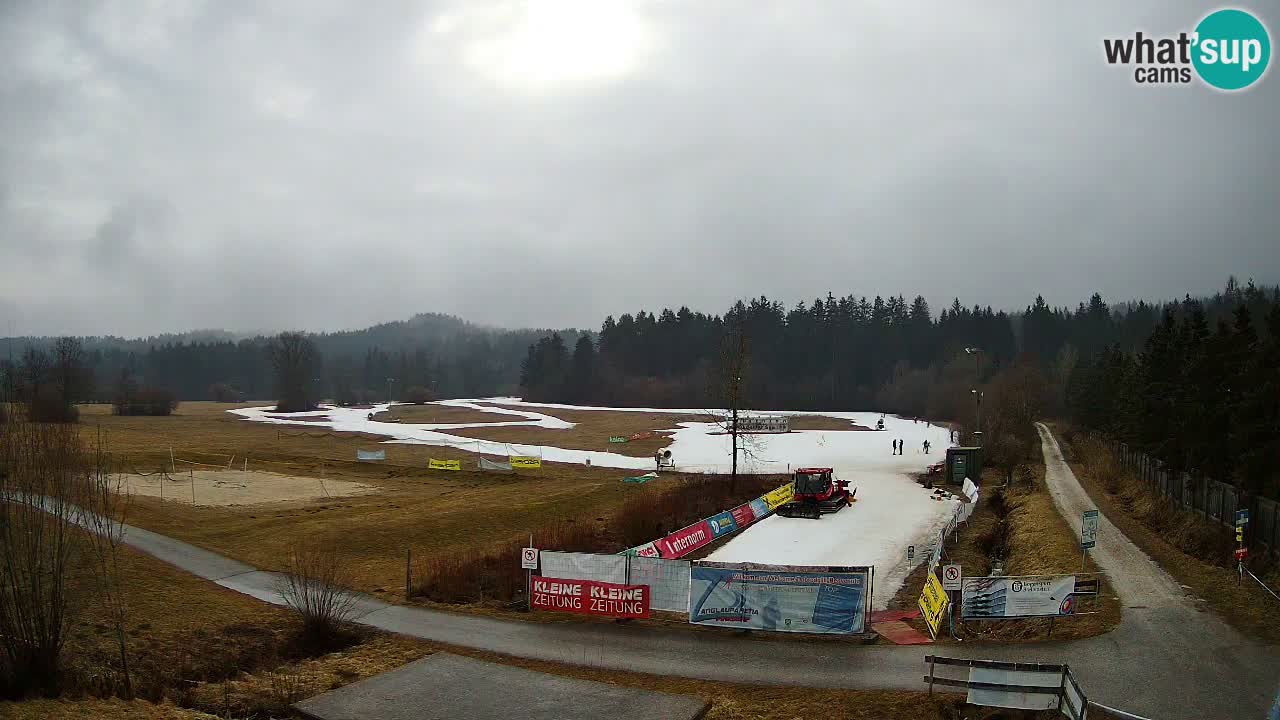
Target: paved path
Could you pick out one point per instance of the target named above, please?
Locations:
(1167, 660)
(443, 686)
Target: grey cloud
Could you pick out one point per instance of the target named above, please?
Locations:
(327, 165)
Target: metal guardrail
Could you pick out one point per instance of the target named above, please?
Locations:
(1072, 701)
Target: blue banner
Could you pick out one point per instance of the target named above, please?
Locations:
(783, 598)
(760, 508)
(722, 524)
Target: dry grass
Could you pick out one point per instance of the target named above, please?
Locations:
(432, 512)
(1038, 541)
(822, 422)
(440, 414)
(111, 709)
(591, 431)
(1179, 541)
(492, 575)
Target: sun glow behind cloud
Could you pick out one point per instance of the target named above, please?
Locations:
(544, 45)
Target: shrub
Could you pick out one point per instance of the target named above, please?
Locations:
(314, 585)
(48, 406)
(418, 395)
(494, 574)
(225, 392)
(146, 401)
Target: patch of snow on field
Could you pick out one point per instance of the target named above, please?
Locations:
(891, 512)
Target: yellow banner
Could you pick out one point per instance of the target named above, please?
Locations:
(435, 464)
(524, 461)
(933, 603)
(777, 498)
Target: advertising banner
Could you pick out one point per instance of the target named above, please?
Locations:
(759, 508)
(588, 597)
(722, 524)
(743, 515)
(524, 461)
(686, 540)
(933, 603)
(369, 455)
(491, 465)
(829, 600)
(647, 550)
(617, 438)
(1017, 597)
(776, 498)
(435, 464)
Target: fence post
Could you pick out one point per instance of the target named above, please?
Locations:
(930, 674)
(408, 573)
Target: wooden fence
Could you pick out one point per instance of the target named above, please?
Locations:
(1212, 500)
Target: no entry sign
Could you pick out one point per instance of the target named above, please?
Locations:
(529, 559)
(951, 577)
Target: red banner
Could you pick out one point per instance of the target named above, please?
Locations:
(684, 541)
(743, 515)
(589, 597)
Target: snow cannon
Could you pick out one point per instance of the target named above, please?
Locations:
(817, 492)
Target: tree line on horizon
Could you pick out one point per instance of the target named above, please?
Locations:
(1194, 382)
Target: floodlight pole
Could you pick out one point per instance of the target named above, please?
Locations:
(977, 393)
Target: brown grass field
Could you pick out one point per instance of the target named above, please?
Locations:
(430, 413)
(189, 623)
(412, 508)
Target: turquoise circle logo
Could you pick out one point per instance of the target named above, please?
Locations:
(1232, 49)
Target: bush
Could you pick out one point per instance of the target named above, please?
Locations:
(494, 574)
(418, 395)
(146, 401)
(48, 406)
(225, 393)
(314, 585)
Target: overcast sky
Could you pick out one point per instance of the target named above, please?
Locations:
(259, 165)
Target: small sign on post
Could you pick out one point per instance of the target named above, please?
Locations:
(1242, 519)
(1089, 529)
(911, 553)
(529, 559)
(528, 563)
(951, 577)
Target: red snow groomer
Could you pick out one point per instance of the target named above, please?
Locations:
(817, 492)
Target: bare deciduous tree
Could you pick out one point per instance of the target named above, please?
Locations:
(314, 585)
(296, 362)
(729, 391)
(51, 491)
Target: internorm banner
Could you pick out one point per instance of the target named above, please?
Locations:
(1017, 597)
(686, 540)
(781, 598)
(435, 464)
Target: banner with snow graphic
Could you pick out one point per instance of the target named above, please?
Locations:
(781, 598)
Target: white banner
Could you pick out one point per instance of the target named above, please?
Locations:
(584, 566)
(368, 455)
(668, 582)
(1017, 597)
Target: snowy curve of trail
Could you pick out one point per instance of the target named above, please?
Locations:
(891, 513)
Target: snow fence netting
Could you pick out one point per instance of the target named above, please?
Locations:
(584, 566)
(668, 582)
